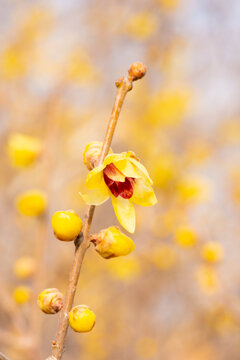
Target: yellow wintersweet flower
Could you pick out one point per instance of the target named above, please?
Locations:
(212, 251)
(13, 63)
(185, 236)
(24, 267)
(165, 170)
(193, 190)
(164, 257)
(31, 203)
(168, 107)
(21, 294)
(23, 149)
(208, 279)
(123, 178)
(79, 67)
(124, 268)
(230, 131)
(169, 4)
(141, 26)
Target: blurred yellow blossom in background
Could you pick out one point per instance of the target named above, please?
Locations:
(208, 279)
(23, 149)
(124, 268)
(164, 257)
(185, 236)
(141, 25)
(31, 202)
(24, 267)
(21, 294)
(212, 251)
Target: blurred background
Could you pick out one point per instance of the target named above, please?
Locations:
(177, 296)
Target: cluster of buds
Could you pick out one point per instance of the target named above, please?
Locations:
(50, 301)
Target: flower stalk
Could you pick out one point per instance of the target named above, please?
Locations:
(82, 242)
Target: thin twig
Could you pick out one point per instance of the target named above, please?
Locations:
(123, 86)
(3, 357)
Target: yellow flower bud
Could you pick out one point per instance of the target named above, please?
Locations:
(212, 251)
(24, 267)
(81, 318)
(50, 301)
(23, 149)
(21, 294)
(111, 242)
(66, 225)
(31, 203)
(91, 154)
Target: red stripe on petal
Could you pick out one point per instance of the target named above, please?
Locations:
(118, 188)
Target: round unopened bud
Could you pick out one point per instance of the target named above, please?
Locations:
(66, 225)
(81, 318)
(91, 154)
(50, 301)
(24, 267)
(136, 71)
(111, 242)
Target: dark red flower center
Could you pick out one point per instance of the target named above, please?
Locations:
(118, 188)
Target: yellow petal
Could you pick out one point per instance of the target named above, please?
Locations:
(143, 194)
(125, 212)
(141, 168)
(96, 196)
(95, 177)
(126, 167)
(111, 158)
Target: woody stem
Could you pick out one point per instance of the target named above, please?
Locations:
(83, 242)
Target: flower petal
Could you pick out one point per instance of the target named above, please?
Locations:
(96, 196)
(125, 212)
(141, 168)
(95, 176)
(143, 194)
(126, 167)
(114, 157)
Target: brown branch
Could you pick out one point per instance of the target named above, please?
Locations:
(124, 85)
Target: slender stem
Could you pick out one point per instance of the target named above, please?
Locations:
(3, 357)
(82, 242)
